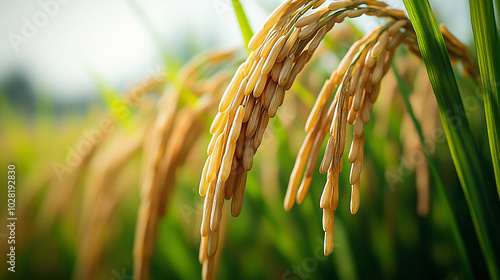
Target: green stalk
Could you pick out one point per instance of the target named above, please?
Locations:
(497, 13)
(246, 30)
(481, 198)
(457, 237)
(487, 46)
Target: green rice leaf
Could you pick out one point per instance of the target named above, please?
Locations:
(481, 197)
(487, 46)
(246, 30)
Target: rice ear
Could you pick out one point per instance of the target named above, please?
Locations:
(280, 51)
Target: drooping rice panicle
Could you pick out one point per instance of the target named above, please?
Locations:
(172, 137)
(280, 50)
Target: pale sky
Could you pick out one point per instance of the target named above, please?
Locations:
(59, 43)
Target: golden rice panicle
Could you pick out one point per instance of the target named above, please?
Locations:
(361, 85)
(253, 96)
(173, 135)
(280, 51)
(357, 82)
(150, 192)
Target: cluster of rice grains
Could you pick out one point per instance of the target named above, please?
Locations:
(279, 52)
(357, 85)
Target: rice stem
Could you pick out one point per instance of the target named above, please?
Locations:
(246, 30)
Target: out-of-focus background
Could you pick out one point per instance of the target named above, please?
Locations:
(62, 61)
(54, 47)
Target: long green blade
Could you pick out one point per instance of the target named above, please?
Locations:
(481, 197)
(246, 30)
(486, 41)
(497, 13)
